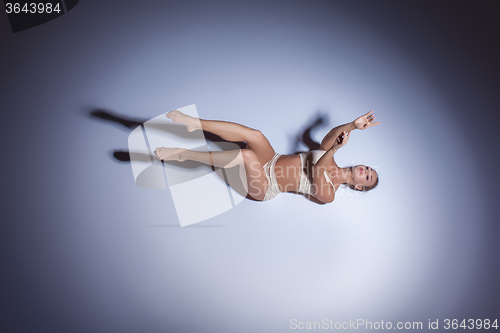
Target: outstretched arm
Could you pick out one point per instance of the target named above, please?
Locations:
(361, 123)
(330, 138)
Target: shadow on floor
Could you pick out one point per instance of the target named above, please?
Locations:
(303, 137)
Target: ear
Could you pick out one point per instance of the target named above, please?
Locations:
(359, 187)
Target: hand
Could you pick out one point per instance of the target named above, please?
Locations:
(365, 121)
(341, 140)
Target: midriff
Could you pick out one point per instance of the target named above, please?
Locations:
(288, 172)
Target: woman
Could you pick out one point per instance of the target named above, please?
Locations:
(314, 173)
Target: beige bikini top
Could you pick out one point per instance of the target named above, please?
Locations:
(313, 156)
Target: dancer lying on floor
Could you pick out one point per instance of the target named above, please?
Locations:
(314, 173)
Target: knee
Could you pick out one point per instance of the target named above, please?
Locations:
(255, 135)
(248, 155)
(252, 165)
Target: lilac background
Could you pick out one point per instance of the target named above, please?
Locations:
(85, 250)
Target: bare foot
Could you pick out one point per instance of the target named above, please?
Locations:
(192, 124)
(170, 154)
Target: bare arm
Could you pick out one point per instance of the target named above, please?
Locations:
(330, 138)
(321, 188)
(361, 123)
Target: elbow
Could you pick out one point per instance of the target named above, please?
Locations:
(330, 200)
(326, 198)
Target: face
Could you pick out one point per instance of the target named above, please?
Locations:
(363, 175)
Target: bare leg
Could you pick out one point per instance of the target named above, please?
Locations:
(254, 176)
(220, 159)
(228, 131)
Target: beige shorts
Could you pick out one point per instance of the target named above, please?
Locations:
(273, 187)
